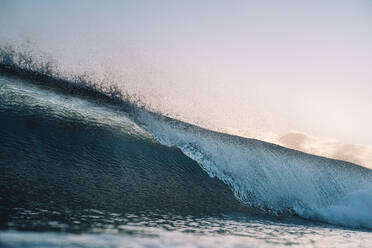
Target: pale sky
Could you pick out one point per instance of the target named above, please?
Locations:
(260, 69)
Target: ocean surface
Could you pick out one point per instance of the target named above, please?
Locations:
(84, 166)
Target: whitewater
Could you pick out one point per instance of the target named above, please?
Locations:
(88, 166)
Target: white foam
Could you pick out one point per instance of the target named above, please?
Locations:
(354, 210)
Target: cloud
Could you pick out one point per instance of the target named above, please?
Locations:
(349, 152)
(293, 140)
(358, 154)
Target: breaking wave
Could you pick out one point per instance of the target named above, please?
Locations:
(77, 142)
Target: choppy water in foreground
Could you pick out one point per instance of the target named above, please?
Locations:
(80, 171)
(93, 228)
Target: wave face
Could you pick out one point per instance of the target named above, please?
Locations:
(62, 152)
(75, 152)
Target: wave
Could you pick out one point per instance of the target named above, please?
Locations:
(63, 153)
(125, 151)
